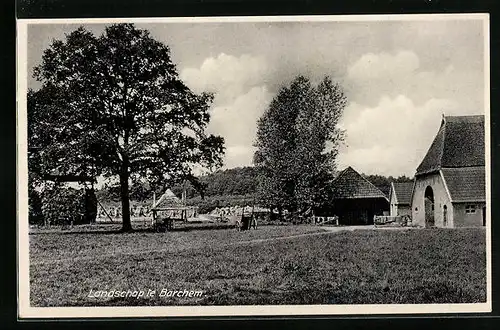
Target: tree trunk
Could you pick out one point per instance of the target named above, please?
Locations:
(124, 194)
(90, 205)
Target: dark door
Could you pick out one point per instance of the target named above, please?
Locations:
(445, 216)
(429, 207)
(484, 215)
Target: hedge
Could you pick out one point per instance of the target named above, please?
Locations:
(62, 205)
(35, 215)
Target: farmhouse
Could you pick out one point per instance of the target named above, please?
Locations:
(355, 199)
(449, 188)
(400, 198)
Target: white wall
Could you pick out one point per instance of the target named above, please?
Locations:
(393, 205)
(463, 219)
(440, 199)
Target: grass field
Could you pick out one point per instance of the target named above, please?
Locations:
(271, 265)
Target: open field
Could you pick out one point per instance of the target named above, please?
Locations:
(271, 265)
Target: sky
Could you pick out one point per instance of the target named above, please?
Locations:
(399, 76)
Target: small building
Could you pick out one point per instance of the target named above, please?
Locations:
(172, 207)
(355, 199)
(400, 198)
(450, 188)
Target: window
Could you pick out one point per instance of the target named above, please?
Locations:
(470, 209)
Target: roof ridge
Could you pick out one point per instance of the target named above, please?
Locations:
(342, 172)
(374, 186)
(350, 172)
(441, 152)
(475, 118)
(402, 182)
(432, 159)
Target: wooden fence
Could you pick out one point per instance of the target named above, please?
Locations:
(396, 221)
(325, 220)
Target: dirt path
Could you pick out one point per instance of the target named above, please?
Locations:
(334, 229)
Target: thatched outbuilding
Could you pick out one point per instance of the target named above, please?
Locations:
(355, 200)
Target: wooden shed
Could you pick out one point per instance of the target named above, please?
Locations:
(355, 200)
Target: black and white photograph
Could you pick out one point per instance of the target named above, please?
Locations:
(260, 165)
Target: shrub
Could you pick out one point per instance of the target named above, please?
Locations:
(35, 215)
(67, 204)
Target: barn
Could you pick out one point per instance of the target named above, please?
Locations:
(355, 200)
(449, 188)
(400, 198)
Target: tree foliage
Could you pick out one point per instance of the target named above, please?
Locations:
(114, 105)
(297, 142)
(62, 205)
(239, 181)
(234, 181)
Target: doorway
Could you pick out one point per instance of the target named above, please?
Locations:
(429, 207)
(484, 216)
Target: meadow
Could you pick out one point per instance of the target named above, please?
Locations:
(297, 264)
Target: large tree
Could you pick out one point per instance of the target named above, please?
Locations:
(297, 143)
(113, 105)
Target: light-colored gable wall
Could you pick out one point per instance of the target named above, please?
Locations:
(441, 198)
(398, 209)
(393, 201)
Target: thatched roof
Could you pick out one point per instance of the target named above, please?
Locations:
(402, 191)
(458, 143)
(168, 199)
(351, 184)
(466, 184)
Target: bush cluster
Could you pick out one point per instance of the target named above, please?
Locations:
(34, 207)
(59, 205)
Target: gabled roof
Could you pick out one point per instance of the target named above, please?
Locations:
(168, 199)
(466, 184)
(351, 184)
(458, 143)
(402, 192)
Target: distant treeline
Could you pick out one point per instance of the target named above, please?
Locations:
(225, 187)
(384, 183)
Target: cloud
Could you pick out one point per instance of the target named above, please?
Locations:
(239, 156)
(399, 77)
(226, 75)
(396, 108)
(383, 66)
(392, 137)
(394, 113)
(237, 121)
(373, 75)
(241, 97)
